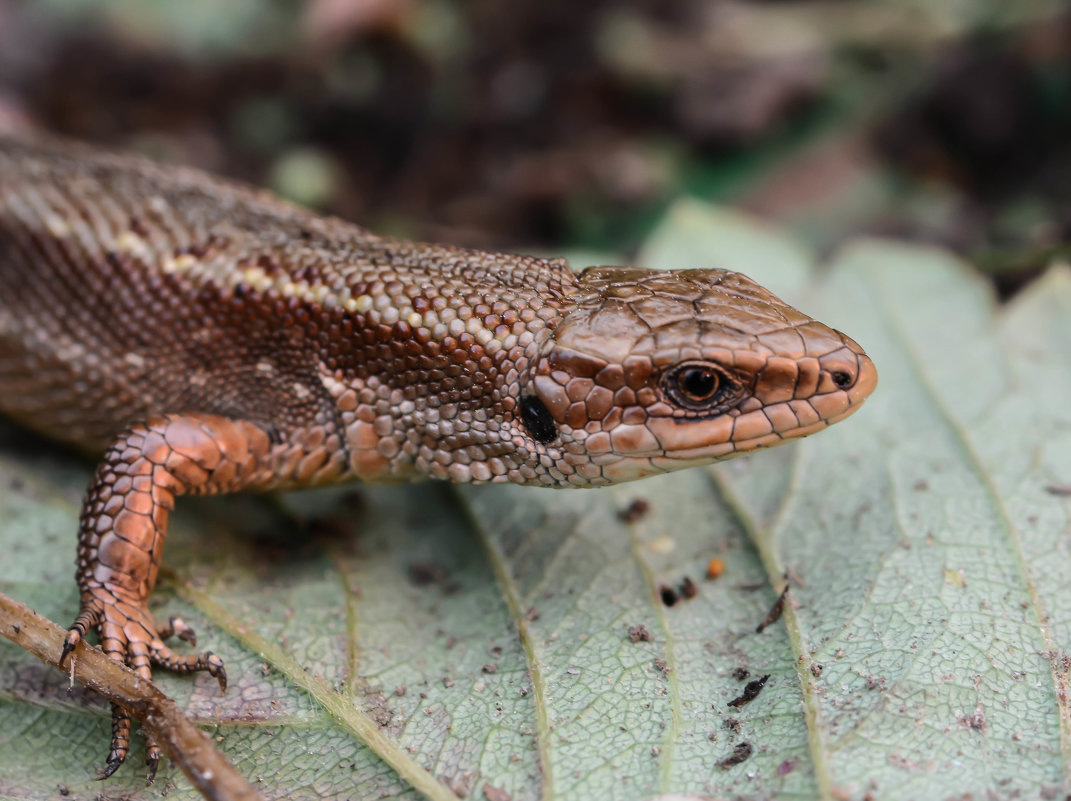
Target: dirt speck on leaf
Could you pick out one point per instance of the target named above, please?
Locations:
(639, 633)
(668, 595)
(741, 753)
(492, 793)
(423, 574)
(775, 612)
(635, 511)
(715, 567)
(750, 693)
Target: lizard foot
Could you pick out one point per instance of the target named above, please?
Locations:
(129, 635)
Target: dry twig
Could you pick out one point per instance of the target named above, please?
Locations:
(186, 745)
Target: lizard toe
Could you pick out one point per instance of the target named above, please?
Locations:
(164, 657)
(120, 742)
(152, 760)
(177, 627)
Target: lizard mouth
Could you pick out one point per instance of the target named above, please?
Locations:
(690, 443)
(764, 421)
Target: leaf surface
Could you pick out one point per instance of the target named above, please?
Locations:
(438, 641)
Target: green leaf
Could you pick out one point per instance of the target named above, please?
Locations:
(438, 640)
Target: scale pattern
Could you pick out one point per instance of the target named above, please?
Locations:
(209, 338)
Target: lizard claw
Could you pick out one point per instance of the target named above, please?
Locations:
(69, 644)
(89, 617)
(117, 756)
(113, 765)
(177, 627)
(221, 674)
(120, 742)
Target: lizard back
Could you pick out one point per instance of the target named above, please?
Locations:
(129, 289)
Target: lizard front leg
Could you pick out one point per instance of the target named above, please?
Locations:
(123, 526)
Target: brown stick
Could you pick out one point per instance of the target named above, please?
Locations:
(187, 746)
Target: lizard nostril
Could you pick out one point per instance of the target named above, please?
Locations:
(842, 378)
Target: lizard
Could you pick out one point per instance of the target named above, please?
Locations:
(200, 336)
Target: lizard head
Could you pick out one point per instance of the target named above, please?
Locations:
(651, 371)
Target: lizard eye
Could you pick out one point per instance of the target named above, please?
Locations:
(698, 384)
(695, 385)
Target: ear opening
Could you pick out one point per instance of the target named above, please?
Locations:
(537, 419)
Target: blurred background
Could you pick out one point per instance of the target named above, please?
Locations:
(545, 124)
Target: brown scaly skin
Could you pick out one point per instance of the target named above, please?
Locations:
(207, 338)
